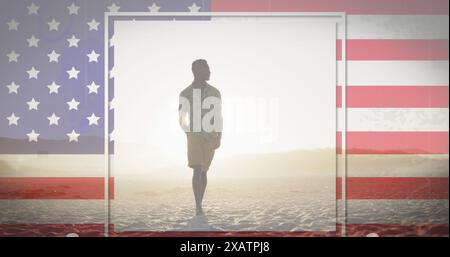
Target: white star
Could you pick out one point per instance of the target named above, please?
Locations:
(194, 8)
(53, 120)
(112, 104)
(153, 7)
(32, 73)
(73, 9)
(53, 88)
(93, 56)
(53, 25)
(13, 56)
(93, 119)
(112, 41)
(33, 41)
(73, 104)
(111, 136)
(93, 88)
(73, 73)
(32, 104)
(12, 87)
(32, 9)
(73, 136)
(32, 136)
(53, 56)
(113, 8)
(13, 24)
(112, 72)
(73, 41)
(13, 119)
(93, 25)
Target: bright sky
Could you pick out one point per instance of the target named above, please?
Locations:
(277, 78)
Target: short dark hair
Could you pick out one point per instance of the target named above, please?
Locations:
(198, 63)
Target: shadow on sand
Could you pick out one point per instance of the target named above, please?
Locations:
(198, 223)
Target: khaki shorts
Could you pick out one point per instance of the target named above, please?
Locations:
(200, 151)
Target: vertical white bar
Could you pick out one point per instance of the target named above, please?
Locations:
(344, 127)
(336, 127)
(106, 126)
(284, 14)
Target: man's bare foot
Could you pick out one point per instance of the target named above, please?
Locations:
(199, 211)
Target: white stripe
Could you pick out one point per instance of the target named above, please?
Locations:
(397, 211)
(397, 27)
(392, 73)
(51, 165)
(395, 165)
(394, 119)
(52, 211)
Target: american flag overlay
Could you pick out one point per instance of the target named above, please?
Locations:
(52, 100)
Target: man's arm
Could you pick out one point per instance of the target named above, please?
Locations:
(220, 121)
(183, 114)
(220, 117)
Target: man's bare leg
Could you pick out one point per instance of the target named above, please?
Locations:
(199, 186)
(203, 185)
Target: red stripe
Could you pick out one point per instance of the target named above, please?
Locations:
(54, 188)
(352, 230)
(339, 142)
(339, 188)
(394, 49)
(375, 142)
(397, 142)
(97, 230)
(426, 230)
(339, 96)
(377, 188)
(53, 230)
(394, 188)
(61, 230)
(336, 233)
(111, 189)
(357, 188)
(348, 6)
(339, 50)
(395, 97)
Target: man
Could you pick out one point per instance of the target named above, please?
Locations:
(200, 117)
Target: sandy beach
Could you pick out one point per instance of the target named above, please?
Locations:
(283, 204)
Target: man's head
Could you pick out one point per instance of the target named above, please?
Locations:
(200, 69)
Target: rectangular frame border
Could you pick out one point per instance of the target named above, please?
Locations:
(342, 15)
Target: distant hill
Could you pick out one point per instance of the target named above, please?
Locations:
(298, 162)
(291, 163)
